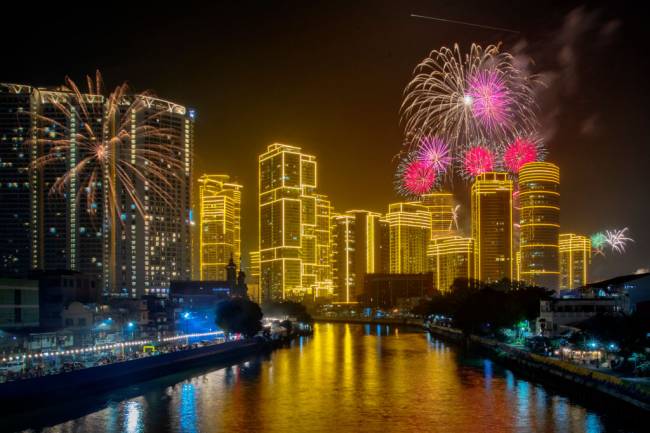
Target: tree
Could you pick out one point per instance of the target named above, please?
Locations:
(239, 315)
(475, 307)
(289, 309)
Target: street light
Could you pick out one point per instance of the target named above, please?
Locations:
(187, 316)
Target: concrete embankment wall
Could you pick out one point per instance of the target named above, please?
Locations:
(119, 374)
(538, 365)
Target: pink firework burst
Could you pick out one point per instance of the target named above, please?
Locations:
(478, 160)
(488, 96)
(435, 153)
(520, 152)
(419, 178)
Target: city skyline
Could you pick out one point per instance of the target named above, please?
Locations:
(368, 216)
(329, 113)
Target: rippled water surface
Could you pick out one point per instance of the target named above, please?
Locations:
(346, 378)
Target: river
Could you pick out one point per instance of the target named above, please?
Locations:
(346, 378)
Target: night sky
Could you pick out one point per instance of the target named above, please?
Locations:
(329, 77)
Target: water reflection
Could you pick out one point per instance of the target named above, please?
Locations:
(348, 378)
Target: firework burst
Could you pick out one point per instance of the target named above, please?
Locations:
(478, 160)
(618, 239)
(598, 241)
(100, 130)
(479, 97)
(488, 97)
(435, 153)
(414, 177)
(519, 152)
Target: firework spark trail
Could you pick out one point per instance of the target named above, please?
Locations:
(454, 217)
(618, 239)
(439, 98)
(478, 98)
(465, 23)
(107, 147)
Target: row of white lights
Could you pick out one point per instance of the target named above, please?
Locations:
(105, 347)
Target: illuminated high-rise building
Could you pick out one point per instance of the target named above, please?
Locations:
(409, 231)
(441, 206)
(491, 209)
(15, 158)
(575, 258)
(294, 226)
(539, 224)
(344, 257)
(148, 251)
(323, 285)
(254, 276)
(356, 251)
(219, 226)
(40, 228)
(383, 246)
(451, 258)
(130, 254)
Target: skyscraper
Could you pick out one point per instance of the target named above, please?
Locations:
(292, 218)
(254, 276)
(323, 259)
(132, 254)
(356, 251)
(344, 257)
(220, 225)
(441, 206)
(451, 257)
(491, 208)
(410, 231)
(575, 257)
(539, 198)
(15, 128)
(65, 234)
(150, 250)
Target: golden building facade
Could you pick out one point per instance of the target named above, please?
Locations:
(254, 276)
(219, 225)
(356, 251)
(293, 225)
(344, 257)
(451, 258)
(409, 233)
(539, 224)
(441, 206)
(575, 258)
(491, 213)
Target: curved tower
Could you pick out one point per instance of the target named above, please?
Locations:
(539, 198)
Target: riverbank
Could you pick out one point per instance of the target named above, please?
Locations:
(76, 383)
(536, 366)
(546, 368)
(366, 321)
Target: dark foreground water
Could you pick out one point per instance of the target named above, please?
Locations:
(346, 378)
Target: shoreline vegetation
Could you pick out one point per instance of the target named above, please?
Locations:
(620, 389)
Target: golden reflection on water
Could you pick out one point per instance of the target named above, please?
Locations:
(349, 378)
